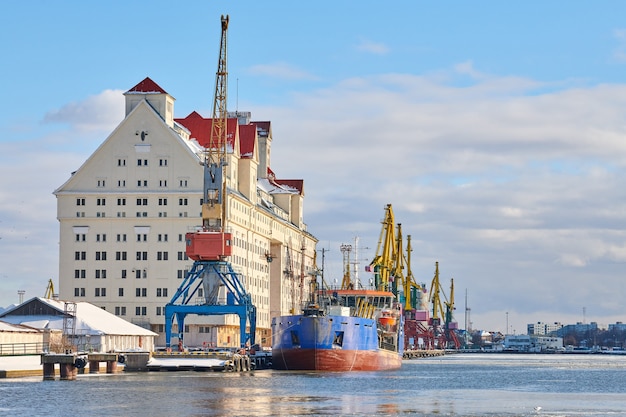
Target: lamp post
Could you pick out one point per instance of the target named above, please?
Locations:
(506, 331)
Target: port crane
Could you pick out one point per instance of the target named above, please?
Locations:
(210, 245)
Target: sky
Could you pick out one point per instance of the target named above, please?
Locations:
(495, 129)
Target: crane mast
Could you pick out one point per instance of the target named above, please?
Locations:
(213, 216)
(213, 242)
(210, 244)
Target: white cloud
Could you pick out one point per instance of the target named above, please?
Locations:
(377, 48)
(96, 113)
(619, 53)
(280, 70)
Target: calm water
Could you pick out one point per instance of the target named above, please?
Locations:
(456, 385)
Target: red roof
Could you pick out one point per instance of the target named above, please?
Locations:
(247, 136)
(147, 86)
(200, 128)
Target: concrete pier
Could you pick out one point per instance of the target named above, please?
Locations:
(94, 360)
(66, 361)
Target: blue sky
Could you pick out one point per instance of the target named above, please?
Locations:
(495, 130)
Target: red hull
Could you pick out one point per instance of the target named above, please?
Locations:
(335, 360)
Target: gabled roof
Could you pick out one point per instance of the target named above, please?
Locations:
(200, 128)
(43, 313)
(284, 185)
(247, 139)
(147, 86)
(8, 327)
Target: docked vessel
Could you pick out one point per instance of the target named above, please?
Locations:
(348, 330)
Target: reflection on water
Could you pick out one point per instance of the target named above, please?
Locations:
(455, 385)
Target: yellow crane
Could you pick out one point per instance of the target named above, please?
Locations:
(391, 261)
(50, 290)
(383, 262)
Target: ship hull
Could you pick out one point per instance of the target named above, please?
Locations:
(334, 360)
(332, 343)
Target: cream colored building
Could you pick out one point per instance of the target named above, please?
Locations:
(124, 213)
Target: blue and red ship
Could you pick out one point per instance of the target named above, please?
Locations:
(349, 330)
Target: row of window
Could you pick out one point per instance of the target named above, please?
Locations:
(140, 201)
(102, 292)
(121, 162)
(122, 256)
(101, 183)
(161, 237)
(101, 214)
(139, 273)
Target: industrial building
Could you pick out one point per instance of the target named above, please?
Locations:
(124, 214)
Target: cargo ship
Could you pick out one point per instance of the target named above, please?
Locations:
(348, 330)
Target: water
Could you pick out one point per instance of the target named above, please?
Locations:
(454, 385)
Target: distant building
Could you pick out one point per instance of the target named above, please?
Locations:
(541, 328)
(16, 339)
(533, 343)
(578, 328)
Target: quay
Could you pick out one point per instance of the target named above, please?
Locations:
(423, 353)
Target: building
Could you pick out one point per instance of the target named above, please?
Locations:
(92, 329)
(541, 328)
(124, 213)
(533, 343)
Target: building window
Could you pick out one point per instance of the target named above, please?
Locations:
(141, 162)
(101, 202)
(121, 183)
(80, 214)
(158, 311)
(142, 201)
(121, 237)
(101, 292)
(101, 183)
(162, 183)
(121, 201)
(101, 237)
(80, 256)
(182, 201)
(101, 273)
(80, 201)
(162, 214)
(123, 274)
(121, 162)
(161, 292)
(101, 256)
(182, 256)
(81, 237)
(120, 292)
(162, 162)
(162, 256)
(162, 201)
(142, 183)
(79, 292)
(183, 183)
(142, 256)
(162, 237)
(142, 237)
(120, 256)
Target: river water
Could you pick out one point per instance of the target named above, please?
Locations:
(454, 385)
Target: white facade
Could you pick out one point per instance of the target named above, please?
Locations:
(533, 343)
(124, 213)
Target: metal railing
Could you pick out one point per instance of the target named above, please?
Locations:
(12, 349)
